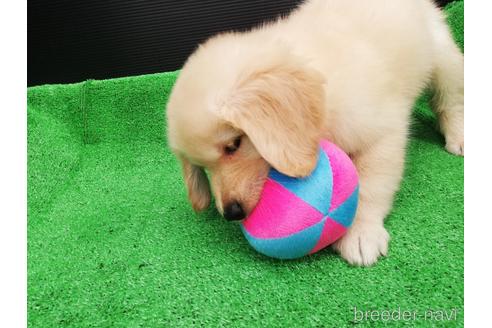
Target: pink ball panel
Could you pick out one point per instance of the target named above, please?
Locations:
(286, 213)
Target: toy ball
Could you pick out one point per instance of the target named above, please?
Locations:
(299, 216)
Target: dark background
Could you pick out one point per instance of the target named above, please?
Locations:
(75, 40)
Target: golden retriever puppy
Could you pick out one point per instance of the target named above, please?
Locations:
(345, 70)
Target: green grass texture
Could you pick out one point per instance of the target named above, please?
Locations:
(113, 241)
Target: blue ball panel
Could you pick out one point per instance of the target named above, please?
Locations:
(315, 189)
(344, 214)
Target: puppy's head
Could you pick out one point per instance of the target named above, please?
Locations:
(236, 111)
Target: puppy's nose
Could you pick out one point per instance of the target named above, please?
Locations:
(234, 211)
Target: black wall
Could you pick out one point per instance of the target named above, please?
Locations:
(74, 40)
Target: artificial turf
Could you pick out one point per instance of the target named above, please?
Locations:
(113, 242)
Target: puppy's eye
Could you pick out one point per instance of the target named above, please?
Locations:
(231, 148)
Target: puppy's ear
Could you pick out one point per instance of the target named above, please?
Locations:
(281, 111)
(197, 184)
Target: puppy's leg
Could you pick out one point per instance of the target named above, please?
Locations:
(380, 170)
(448, 84)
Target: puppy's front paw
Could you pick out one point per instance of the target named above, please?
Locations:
(454, 135)
(456, 145)
(363, 244)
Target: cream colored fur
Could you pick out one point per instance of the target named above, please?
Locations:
(346, 70)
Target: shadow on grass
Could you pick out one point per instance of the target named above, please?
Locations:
(423, 124)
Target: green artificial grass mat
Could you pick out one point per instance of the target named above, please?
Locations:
(113, 241)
